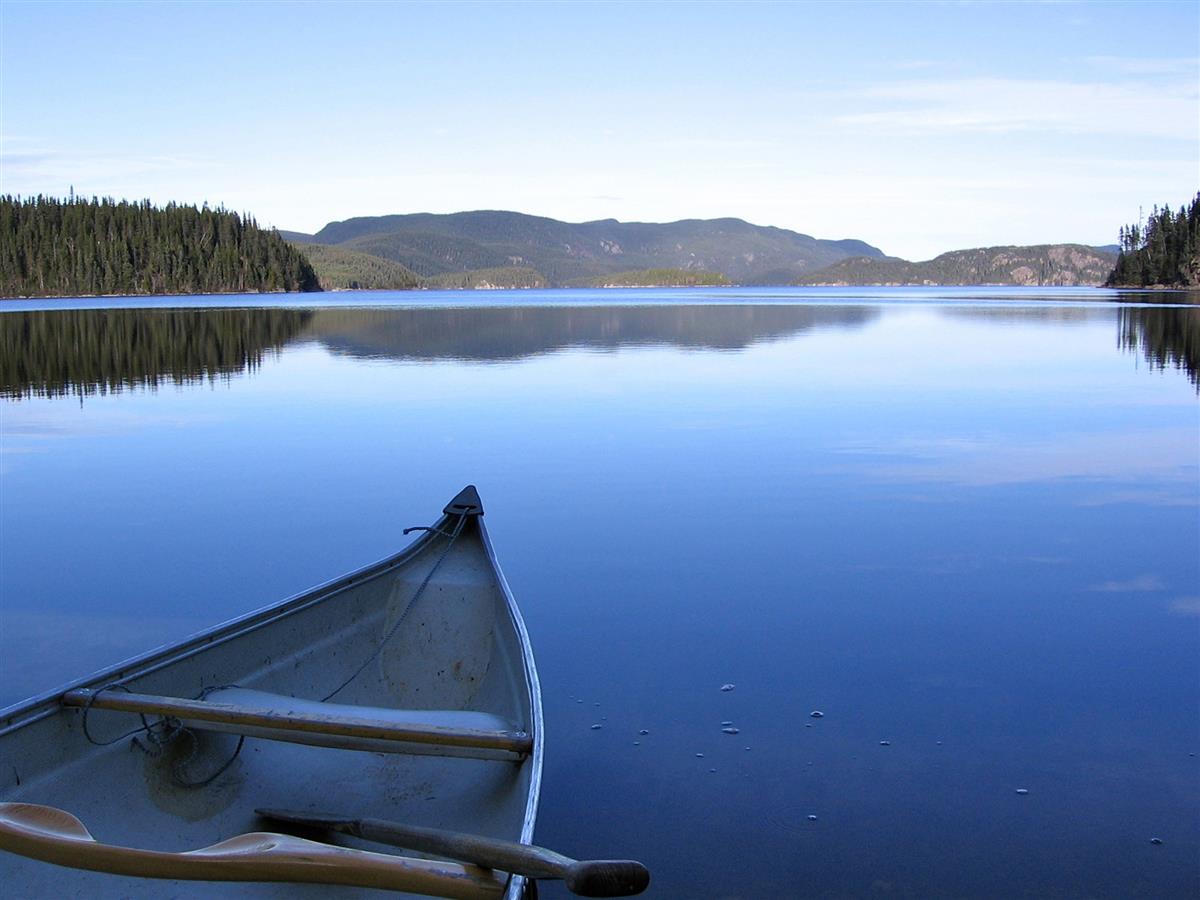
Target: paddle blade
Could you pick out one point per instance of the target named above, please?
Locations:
(607, 878)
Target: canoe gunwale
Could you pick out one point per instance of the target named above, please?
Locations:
(517, 883)
(48, 703)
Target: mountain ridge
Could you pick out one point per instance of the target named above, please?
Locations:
(433, 244)
(1061, 265)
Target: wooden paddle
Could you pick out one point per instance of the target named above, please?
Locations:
(589, 878)
(55, 836)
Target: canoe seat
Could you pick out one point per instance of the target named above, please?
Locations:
(278, 717)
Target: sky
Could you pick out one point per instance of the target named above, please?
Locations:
(917, 127)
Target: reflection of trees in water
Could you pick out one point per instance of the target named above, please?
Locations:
(83, 352)
(509, 333)
(1165, 336)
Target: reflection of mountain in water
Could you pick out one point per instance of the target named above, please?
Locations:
(82, 352)
(1058, 315)
(1166, 336)
(510, 333)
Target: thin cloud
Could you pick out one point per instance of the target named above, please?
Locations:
(1138, 585)
(1185, 606)
(997, 460)
(1001, 106)
(1129, 65)
(30, 170)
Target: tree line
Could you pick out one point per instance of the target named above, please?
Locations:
(51, 247)
(1163, 251)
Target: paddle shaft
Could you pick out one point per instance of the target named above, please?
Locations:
(592, 878)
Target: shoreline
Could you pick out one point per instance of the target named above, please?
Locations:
(1176, 289)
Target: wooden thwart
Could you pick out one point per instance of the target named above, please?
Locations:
(293, 725)
(55, 836)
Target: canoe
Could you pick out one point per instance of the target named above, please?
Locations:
(404, 691)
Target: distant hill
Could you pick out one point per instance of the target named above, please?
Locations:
(296, 237)
(431, 245)
(51, 247)
(656, 278)
(339, 269)
(1044, 265)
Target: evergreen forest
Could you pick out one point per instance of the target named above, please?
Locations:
(1165, 251)
(50, 247)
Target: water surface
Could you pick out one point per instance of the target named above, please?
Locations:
(961, 522)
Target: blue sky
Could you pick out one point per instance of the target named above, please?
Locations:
(919, 127)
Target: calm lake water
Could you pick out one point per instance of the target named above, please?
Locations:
(963, 522)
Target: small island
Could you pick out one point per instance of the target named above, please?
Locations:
(647, 278)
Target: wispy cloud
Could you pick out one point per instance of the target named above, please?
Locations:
(1137, 585)
(1130, 65)
(56, 165)
(1006, 105)
(1185, 606)
(982, 461)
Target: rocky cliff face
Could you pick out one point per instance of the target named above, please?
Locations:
(1046, 265)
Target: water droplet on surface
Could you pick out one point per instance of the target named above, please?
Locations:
(1156, 840)
(699, 756)
(1022, 791)
(644, 731)
(817, 714)
(730, 730)
(728, 687)
(885, 743)
(812, 818)
(597, 727)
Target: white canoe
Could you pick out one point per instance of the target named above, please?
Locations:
(404, 691)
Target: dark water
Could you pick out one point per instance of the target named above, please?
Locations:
(965, 523)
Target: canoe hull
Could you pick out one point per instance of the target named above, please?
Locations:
(460, 646)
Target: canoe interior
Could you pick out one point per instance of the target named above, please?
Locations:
(461, 646)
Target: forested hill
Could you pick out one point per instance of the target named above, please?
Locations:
(562, 252)
(1165, 251)
(55, 248)
(1046, 264)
